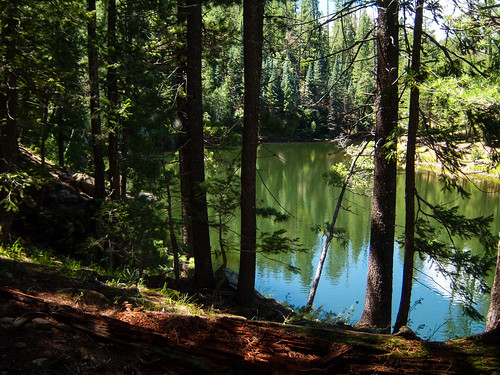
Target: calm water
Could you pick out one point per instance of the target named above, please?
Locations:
(293, 173)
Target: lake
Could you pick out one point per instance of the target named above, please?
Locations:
(291, 176)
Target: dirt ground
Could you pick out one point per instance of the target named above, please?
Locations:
(54, 324)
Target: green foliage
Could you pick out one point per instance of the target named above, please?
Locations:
(318, 314)
(12, 189)
(361, 179)
(464, 268)
(125, 235)
(277, 242)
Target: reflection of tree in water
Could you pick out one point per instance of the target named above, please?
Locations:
(294, 168)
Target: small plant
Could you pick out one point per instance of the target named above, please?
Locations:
(319, 315)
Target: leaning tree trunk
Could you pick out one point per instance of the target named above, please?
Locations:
(201, 238)
(95, 115)
(404, 307)
(493, 318)
(253, 16)
(331, 229)
(378, 301)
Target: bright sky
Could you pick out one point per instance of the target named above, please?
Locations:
(322, 6)
(447, 9)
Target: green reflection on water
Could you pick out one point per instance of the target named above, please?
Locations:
(292, 174)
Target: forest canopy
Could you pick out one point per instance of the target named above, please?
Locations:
(136, 98)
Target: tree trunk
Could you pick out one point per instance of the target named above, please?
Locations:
(171, 229)
(201, 238)
(9, 93)
(60, 142)
(8, 109)
(95, 114)
(331, 229)
(404, 306)
(493, 317)
(378, 301)
(253, 16)
(45, 119)
(114, 170)
(184, 149)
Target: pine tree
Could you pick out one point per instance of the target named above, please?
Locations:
(95, 111)
(378, 301)
(253, 15)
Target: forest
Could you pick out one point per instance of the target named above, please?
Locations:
(129, 133)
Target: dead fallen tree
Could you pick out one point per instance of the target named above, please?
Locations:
(218, 345)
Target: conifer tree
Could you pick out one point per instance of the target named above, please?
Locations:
(378, 301)
(194, 109)
(112, 77)
(8, 108)
(253, 18)
(95, 110)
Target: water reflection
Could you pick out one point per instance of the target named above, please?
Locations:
(293, 173)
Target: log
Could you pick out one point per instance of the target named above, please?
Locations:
(220, 345)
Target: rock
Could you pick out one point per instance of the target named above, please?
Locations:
(20, 321)
(6, 320)
(82, 353)
(91, 297)
(407, 333)
(41, 323)
(40, 361)
(231, 277)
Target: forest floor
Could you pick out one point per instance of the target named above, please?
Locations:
(52, 322)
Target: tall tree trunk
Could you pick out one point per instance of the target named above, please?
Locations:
(60, 142)
(8, 109)
(184, 149)
(45, 119)
(404, 306)
(95, 114)
(378, 301)
(493, 317)
(129, 20)
(253, 15)
(114, 170)
(201, 238)
(9, 93)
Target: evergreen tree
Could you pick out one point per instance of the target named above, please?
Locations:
(413, 122)
(201, 237)
(253, 15)
(378, 301)
(493, 318)
(95, 110)
(8, 109)
(112, 86)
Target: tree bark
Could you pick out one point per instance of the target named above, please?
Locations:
(493, 317)
(184, 149)
(204, 276)
(113, 153)
(404, 306)
(9, 148)
(253, 16)
(9, 95)
(95, 114)
(378, 301)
